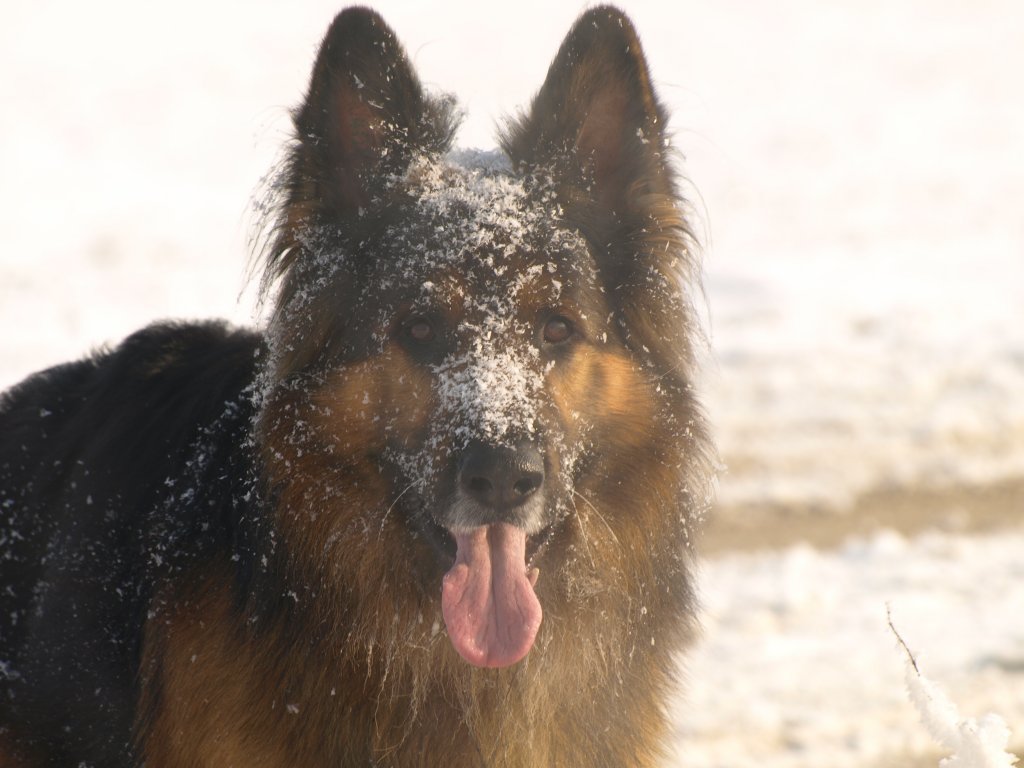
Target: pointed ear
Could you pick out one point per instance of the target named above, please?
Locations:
(364, 116)
(596, 121)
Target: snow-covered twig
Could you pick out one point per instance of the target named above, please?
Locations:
(975, 743)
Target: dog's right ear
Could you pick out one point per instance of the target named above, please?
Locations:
(363, 118)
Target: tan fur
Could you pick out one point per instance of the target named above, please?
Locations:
(229, 696)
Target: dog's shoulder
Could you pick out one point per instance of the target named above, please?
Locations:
(117, 427)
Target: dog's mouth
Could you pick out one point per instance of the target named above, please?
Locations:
(488, 597)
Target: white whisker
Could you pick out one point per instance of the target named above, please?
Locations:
(598, 513)
(583, 531)
(408, 488)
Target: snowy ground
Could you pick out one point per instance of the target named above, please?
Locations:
(861, 165)
(798, 667)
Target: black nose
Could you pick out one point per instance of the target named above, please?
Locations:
(501, 477)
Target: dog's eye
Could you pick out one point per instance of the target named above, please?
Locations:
(557, 330)
(420, 330)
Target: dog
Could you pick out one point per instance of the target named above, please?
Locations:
(439, 510)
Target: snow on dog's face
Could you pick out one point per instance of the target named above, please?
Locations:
(463, 346)
(493, 291)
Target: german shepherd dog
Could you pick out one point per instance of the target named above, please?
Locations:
(439, 512)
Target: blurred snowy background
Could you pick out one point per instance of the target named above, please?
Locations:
(860, 171)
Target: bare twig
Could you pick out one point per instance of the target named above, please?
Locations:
(906, 648)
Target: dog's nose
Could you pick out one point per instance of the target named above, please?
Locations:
(501, 477)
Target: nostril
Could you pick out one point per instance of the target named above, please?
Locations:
(480, 486)
(527, 485)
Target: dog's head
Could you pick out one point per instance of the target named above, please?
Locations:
(484, 354)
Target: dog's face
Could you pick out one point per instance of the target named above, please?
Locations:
(492, 294)
(457, 333)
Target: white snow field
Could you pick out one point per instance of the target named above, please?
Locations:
(859, 168)
(798, 667)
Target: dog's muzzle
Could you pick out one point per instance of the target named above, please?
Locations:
(498, 484)
(500, 478)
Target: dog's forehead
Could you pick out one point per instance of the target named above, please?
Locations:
(478, 230)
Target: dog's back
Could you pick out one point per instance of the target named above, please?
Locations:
(90, 453)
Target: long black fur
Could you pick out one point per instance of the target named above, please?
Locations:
(113, 471)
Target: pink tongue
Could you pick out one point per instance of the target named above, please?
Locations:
(489, 605)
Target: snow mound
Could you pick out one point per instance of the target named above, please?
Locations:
(975, 743)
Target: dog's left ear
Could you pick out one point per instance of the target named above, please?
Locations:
(596, 121)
